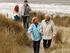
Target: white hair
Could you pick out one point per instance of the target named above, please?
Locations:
(47, 15)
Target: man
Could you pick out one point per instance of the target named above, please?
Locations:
(25, 14)
(48, 31)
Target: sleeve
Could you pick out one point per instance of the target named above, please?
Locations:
(41, 28)
(22, 10)
(29, 8)
(54, 28)
(30, 29)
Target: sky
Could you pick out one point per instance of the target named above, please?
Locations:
(67, 2)
(39, 6)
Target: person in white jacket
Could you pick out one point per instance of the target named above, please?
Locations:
(25, 13)
(48, 31)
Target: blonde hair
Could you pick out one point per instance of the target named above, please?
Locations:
(33, 19)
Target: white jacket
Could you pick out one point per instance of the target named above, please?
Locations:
(48, 29)
(25, 10)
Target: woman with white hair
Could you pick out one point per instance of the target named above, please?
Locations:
(48, 31)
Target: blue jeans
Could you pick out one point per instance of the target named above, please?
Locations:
(26, 21)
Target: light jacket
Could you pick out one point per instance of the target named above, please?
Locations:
(35, 31)
(48, 29)
(25, 10)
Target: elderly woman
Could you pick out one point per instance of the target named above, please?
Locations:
(48, 31)
(34, 29)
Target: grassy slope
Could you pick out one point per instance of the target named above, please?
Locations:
(61, 43)
(58, 20)
(12, 36)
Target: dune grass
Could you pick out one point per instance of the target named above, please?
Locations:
(62, 21)
(37, 14)
(60, 42)
(13, 37)
(58, 20)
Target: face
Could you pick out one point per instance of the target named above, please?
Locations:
(36, 20)
(47, 17)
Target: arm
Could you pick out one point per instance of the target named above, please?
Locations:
(30, 30)
(22, 10)
(54, 29)
(41, 28)
(29, 33)
(29, 8)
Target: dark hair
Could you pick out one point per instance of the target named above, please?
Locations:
(25, 1)
(16, 9)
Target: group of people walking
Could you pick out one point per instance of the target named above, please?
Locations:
(25, 11)
(44, 30)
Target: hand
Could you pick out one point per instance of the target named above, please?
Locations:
(54, 37)
(42, 33)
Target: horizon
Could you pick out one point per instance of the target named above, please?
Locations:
(60, 2)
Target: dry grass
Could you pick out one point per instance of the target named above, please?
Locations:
(62, 21)
(58, 20)
(61, 44)
(13, 37)
(61, 41)
(38, 14)
(58, 37)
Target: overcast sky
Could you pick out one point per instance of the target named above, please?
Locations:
(40, 1)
